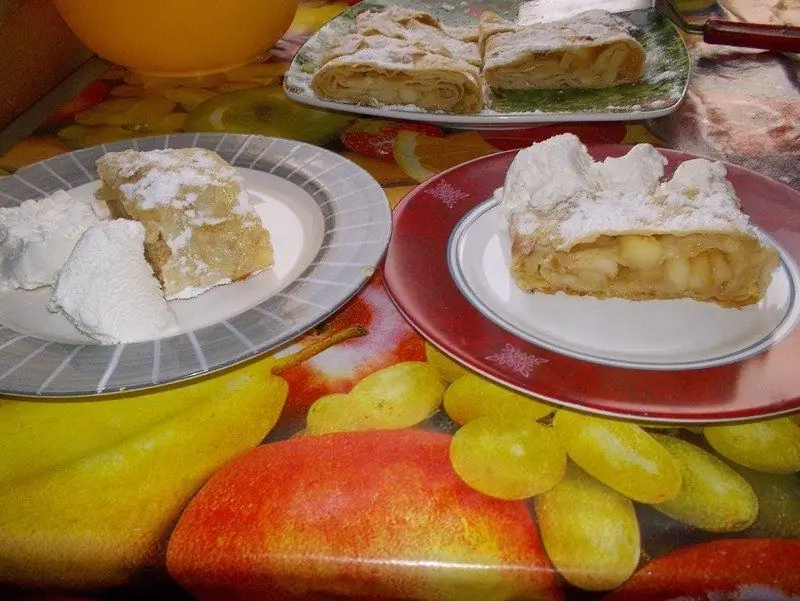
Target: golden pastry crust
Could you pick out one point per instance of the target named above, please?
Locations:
(402, 57)
(201, 230)
(380, 71)
(491, 24)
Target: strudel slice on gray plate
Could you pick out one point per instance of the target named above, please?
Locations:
(615, 229)
(593, 49)
(201, 230)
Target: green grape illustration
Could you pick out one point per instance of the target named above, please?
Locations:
(590, 532)
(713, 496)
(771, 446)
(507, 458)
(621, 455)
(395, 397)
(472, 396)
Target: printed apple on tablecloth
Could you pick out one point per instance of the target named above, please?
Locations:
(389, 340)
(379, 515)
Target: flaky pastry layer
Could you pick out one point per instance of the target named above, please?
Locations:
(590, 50)
(386, 71)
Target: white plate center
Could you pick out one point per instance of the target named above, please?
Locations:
(296, 226)
(670, 334)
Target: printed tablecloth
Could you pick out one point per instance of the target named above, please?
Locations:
(225, 489)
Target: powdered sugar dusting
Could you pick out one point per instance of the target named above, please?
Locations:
(462, 32)
(179, 195)
(555, 190)
(591, 28)
(660, 88)
(414, 26)
(166, 171)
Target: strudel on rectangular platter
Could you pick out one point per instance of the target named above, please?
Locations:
(200, 228)
(593, 49)
(615, 229)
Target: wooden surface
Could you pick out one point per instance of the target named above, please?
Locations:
(37, 51)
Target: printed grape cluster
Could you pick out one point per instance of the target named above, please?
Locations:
(585, 476)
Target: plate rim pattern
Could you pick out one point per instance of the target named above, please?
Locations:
(765, 385)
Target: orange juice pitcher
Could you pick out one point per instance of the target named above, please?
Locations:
(178, 37)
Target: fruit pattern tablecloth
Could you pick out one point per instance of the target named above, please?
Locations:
(379, 469)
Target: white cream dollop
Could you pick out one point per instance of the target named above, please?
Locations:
(37, 236)
(705, 176)
(547, 173)
(108, 290)
(556, 189)
(637, 172)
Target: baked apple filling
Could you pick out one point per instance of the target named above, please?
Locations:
(727, 269)
(591, 67)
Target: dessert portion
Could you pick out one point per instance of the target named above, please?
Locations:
(200, 228)
(37, 236)
(387, 71)
(164, 224)
(107, 289)
(615, 229)
(401, 57)
(593, 49)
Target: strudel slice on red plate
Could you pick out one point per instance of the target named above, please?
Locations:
(617, 229)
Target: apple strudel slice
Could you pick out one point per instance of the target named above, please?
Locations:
(380, 71)
(614, 229)
(593, 49)
(201, 230)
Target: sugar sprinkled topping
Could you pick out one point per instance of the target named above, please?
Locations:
(393, 34)
(165, 173)
(557, 182)
(177, 194)
(590, 28)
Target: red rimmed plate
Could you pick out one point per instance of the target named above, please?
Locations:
(662, 361)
